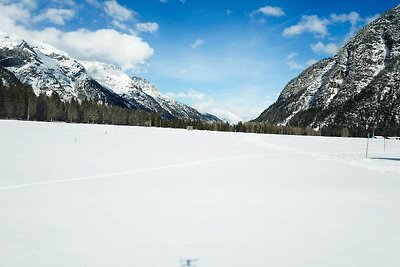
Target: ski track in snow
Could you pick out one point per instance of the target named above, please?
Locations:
(281, 150)
(359, 161)
(108, 175)
(120, 198)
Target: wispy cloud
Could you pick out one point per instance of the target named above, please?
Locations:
(319, 26)
(311, 62)
(327, 49)
(119, 14)
(56, 16)
(290, 61)
(30, 4)
(70, 3)
(94, 3)
(270, 11)
(197, 43)
(371, 18)
(166, 1)
(353, 18)
(223, 112)
(190, 94)
(150, 27)
(293, 64)
(119, 25)
(232, 109)
(311, 24)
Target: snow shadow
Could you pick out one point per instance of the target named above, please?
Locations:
(386, 158)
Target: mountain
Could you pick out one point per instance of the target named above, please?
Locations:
(8, 79)
(135, 90)
(356, 88)
(49, 70)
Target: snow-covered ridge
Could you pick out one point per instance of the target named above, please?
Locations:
(110, 76)
(358, 86)
(141, 91)
(48, 70)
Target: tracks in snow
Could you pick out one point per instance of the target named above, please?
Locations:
(107, 175)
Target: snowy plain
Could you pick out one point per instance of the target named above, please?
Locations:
(98, 195)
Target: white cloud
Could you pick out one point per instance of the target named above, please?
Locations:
(228, 111)
(129, 54)
(70, 3)
(227, 95)
(30, 4)
(13, 13)
(311, 24)
(290, 61)
(166, 1)
(197, 43)
(118, 12)
(292, 55)
(119, 25)
(311, 62)
(212, 107)
(293, 64)
(266, 11)
(190, 94)
(372, 18)
(271, 11)
(182, 72)
(94, 3)
(319, 26)
(151, 27)
(328, 49)
(243, 103)
(100, 45)
(352, 17)
(56, 16)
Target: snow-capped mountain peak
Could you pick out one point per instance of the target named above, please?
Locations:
(357, 87)
(109, 76)
(48, 70)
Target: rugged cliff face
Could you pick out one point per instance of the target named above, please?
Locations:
(49, 70)
(359, 86)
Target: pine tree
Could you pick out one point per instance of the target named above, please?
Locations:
(20, 103)
(2, 101)
(31, 104)
(41, 108)
(55, 108)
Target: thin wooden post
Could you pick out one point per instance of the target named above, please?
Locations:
(366, 152)
(384, 144)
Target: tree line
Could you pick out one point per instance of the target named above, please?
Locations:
(20, 102)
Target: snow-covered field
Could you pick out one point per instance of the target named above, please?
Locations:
(95, 195)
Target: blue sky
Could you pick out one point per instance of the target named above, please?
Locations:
(229, 58)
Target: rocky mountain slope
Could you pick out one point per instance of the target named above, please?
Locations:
(357, 88)
(48, 70)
